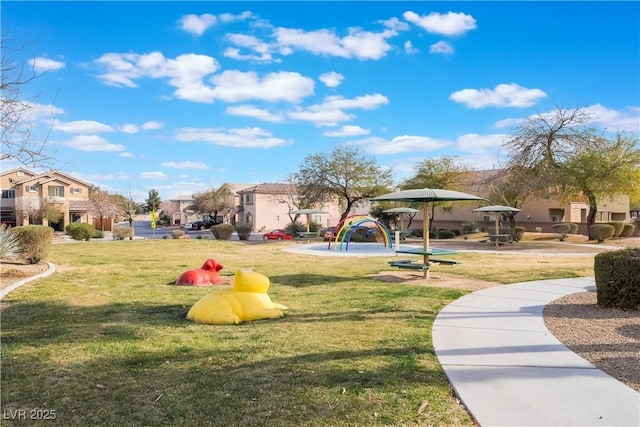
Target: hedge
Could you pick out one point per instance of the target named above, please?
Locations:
(35, 241)
(617, 275)
(602, 232)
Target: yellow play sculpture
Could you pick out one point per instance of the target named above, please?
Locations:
(247, 301)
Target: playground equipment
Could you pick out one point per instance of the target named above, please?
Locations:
(350, 224)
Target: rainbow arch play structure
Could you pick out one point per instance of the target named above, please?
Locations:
(350, 224)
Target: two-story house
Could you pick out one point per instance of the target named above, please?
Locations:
(26, 197)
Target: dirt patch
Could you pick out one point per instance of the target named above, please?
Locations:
(435, 280)
(11, 272)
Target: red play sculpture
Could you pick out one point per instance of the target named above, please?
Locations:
(208, 275)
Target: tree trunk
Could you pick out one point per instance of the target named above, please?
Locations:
(593, 210)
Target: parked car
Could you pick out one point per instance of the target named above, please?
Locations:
(277, 234)
(202, 224)
(329, 233)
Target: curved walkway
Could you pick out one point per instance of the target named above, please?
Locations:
(19, 283)
(509, 370)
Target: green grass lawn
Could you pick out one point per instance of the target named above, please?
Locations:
(104, 340)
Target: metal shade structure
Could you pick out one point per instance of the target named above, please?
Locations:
(426, 196)
(497, 209)
(308, 213)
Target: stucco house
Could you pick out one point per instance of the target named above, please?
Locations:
(25, 194)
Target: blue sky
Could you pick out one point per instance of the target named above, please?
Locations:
(183, 96)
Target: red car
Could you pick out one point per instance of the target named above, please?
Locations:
(277, 235)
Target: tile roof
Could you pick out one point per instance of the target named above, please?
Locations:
(80, 205)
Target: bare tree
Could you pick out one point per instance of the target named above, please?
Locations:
(17, 111)
(104, 204)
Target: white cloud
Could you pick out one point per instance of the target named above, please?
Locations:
(197, 25)
(233, 86)
(504, 95)
(262, 49)
(256, 113)
(348, 131)
(185, 165)
(156, 176)
(409, 49)
(186, 72)
(395, 24)
(238, 138)
(329, 112)
(448, 24)
(614, 120)
(441, 47)
(400, 144)
(358, 44)
(42, 65)
(129, 128)
(126, 154)
(331, 79)
(91, 143)
(228, 17)
(82, 126)
(152, 125)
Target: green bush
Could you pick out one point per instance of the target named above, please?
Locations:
(294, 228)
(314, 226)
(35, 241)
(80, 231)
(122, 232)
(562, 229)
(364, 234)
(627, 230)
(469, 227)
(244, 232)
(617, 275)
(9, 244)
(602, 232)
(446, 234)
(574, 228)
(518, 232)
(222, 231)
(99, 234)
(619, 226)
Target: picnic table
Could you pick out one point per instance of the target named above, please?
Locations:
(500, 238)
(427, 262)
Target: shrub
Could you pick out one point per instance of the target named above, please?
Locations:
(574, 228)
(9, 244)
(627, 230)
(294, 228)
(619, 226)
(178, 234)
(518, 232)
(35, 241)
(364, 234)
(602, 232)
(80, 231)
(244, 232)
(314, 226)
(446, 234)
(99, 234)
(121, 233)
(222, 231)
(617, 276)
(562, 230)
(469, 227)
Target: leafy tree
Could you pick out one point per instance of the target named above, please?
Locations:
(343, 175)
(445, 172)
(566, 157)
(153, 202)
(213, 200)
(16, 109)
(51, 212)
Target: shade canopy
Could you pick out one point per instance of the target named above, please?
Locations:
(497, 209)
(402, 210)
(424, 196)
(427, 195)
(308, 213)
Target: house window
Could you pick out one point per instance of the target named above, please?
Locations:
(555, 218)
(8, 194)
(248, 199)
(56, 191)
(248, 218)
(76, 190)
(32, 188)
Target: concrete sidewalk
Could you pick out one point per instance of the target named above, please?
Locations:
(509, 370)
